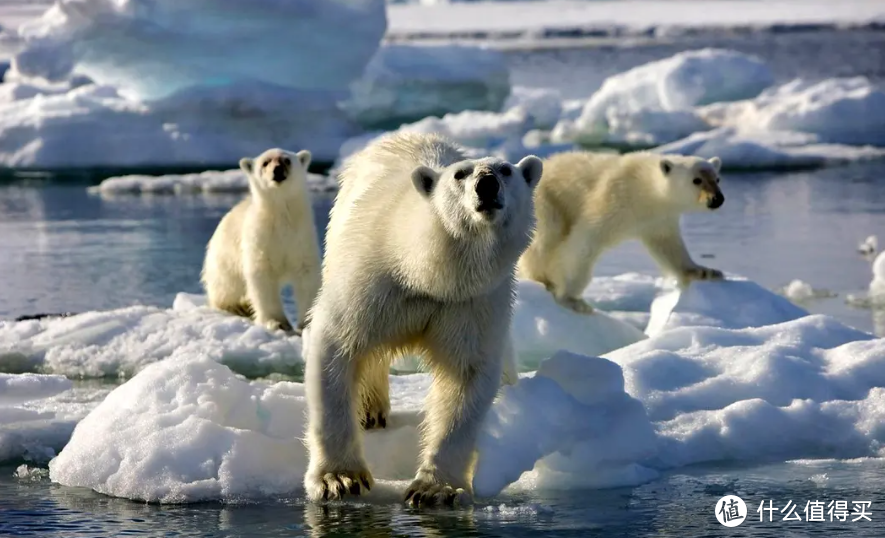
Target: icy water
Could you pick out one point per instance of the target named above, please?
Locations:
(62, 250)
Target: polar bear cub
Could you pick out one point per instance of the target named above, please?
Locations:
(266, 241)
(421, 250)
(590, 202)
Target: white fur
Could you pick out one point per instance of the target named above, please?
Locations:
(265, 242)
(411, 264)
(587, 203)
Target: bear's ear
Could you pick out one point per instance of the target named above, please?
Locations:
(666, 167)
(304, 157)
(246, 165)
(716, 162)
(425, 179)
(531, 168)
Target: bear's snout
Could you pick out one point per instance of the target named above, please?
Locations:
(716, 200)
(487, 188)
(279, 173)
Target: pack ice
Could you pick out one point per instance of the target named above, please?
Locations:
(713, 382)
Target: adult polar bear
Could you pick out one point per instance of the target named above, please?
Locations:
(421, 251)
(590, 202)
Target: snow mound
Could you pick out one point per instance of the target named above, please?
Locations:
(836, 111)
(728, 304)
(656, 98)
(541, 327)
(768, 150)
(121, 342)
(405, 83)
(211, 181)
(146, 50)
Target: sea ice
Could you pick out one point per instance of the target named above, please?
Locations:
(653, 102)
(211, 181)
(405, 83)
(768, 150)
(151, 49)
(836, 111)
(19, 388)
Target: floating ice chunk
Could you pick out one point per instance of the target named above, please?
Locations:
(768, 150)
(151, 49)
(877, 285)
(121, 342)
(404, 83)
(663, 93)
(542, 104)
(476, 129)
(732, 304)
(836, 111)
(94, 126)
(38, 414)
(574, 417)
(802, 292)
(227, 181)
(869, 246)
(19, 388)
(541, 327)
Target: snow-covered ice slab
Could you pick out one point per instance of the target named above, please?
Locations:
(652, 104)
(122, 342)
(150, 49)
(405, 83)
(443, 20)
(728, 304)
(211, 181)
(742, 149)
(188, 429)
(835, 111)
(20, 388)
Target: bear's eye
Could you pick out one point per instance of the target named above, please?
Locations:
(285, 161)
(460, 174)
(697, 181)
(505, 171)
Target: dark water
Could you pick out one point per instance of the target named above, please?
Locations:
(62, 249)
(677, 505)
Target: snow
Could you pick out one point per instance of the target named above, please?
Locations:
(662, 94)
(405, 83)
(766, 382)
(837, 111)
(731, 304)
(531, 19)
(210, 181)
(15, 389)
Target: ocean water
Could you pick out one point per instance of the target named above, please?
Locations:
(64, 250)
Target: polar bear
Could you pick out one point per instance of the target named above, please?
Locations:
(266, 241)
(421, 251)
(590, 202)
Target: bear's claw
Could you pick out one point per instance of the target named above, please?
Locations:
(375, 420)
(576, 304)
(422, 493)
(703, 273)
(335, 485)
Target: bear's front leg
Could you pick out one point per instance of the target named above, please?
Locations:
(669, 251)
(263, 292)
(336, 465)
(461, 394)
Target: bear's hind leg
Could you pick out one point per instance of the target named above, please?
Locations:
(336, 464)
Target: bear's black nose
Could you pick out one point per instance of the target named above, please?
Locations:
(487, 188)
(279, 173)
(717, 200)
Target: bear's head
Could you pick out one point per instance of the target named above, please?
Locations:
(693, 183)
(277, 173)
(481, 194)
